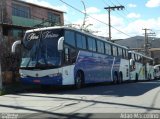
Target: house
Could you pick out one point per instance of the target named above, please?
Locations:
(17, 16)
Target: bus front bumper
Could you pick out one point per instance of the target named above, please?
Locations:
(56, 80)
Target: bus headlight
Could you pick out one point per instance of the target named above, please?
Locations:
(23, 75)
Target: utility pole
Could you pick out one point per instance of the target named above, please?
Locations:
(1, 37)
(84, 20)
(146, 44)
(109, 16)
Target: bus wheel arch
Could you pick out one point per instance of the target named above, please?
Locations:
(79, 79)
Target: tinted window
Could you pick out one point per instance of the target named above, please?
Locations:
(100, 46)
(120, 51)
(69, 38)
(91, 44)
(125, 53)
(114, 50)
(81, 41)
(108, 48)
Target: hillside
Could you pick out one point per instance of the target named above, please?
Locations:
(138, 42)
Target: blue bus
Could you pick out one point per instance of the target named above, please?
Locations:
(68, 56)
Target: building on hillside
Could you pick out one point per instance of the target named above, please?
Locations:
(17, 16)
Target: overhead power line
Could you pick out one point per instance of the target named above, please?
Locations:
(94, 18)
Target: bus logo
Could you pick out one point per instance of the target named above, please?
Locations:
(32, 36)
(49, 34)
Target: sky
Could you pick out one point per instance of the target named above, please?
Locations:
(129, 22)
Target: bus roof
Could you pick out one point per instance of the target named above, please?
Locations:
(140, 54)
(78, 30)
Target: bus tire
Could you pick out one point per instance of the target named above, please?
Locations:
(136, 78)
(120, 80)
(79, 80)
(115, 78)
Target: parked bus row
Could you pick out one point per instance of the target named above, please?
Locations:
(67, 56)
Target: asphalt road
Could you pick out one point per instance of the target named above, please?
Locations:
(141, 97)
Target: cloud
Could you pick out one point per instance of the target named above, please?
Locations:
(133, 15)
(135, 28)
(153, 3)
(91, 10)
(132, 29)
(101, 28)
(132, 5)
(46, 4)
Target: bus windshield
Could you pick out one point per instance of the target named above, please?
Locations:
(40, 49)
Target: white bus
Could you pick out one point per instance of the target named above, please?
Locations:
(141, 66)
(157, 71)
(67, 56)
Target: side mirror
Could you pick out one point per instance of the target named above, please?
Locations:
(14, 45)
(132, 64)
(60, 43)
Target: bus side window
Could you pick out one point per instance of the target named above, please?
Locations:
(108, 49)
(81, 41)
(120, 52)
(70, 55)
(66, 55)
(70, 38)
(125, 54)
(100, 46)
(92, 44)
(114, 48)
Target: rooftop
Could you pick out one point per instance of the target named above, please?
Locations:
(39, 6)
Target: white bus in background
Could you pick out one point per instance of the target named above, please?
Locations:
(141, 66)
(157, 71)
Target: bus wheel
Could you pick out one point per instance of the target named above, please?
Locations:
(136, 77)
(115, 78)
(78, 80)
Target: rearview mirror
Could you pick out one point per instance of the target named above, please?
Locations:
(60, 43)
(14, 45)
